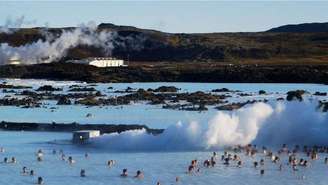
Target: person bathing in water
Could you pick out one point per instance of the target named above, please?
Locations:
(13, 160)
(139, 175)
(239, 163)
(82, 173)
(63, 157)
(70, 160)
(39, 155)
(124, 173)
(24, 170)
(262, 172)
(110, 163)
(190, 168)
(40, 181)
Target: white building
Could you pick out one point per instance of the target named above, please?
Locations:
(84, 135)
(14, 61)
(100, 62)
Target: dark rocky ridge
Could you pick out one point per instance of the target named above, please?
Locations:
(302, 28)
(189, 73)
(150, 45)
(61, 127)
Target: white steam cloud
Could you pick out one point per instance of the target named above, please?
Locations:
(12, 25)
(52, 48)
(263, 124)
(240, 127)
(295, 123)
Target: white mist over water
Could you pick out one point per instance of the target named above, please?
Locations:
(263, 124)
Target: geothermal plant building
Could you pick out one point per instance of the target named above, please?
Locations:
(100, 62)
(14, 62)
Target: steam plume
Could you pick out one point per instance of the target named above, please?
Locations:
(291, 123)
(12, 25)
(52, 48)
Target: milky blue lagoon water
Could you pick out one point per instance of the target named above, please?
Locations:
(139, 113)
(157, 166)
(163, 166)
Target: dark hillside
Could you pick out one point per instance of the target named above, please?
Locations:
(149, 45)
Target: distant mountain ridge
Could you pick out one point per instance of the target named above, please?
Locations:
(302, 28)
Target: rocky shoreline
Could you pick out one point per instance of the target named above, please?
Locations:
(168, 97)
(197, 72)
(70, 127)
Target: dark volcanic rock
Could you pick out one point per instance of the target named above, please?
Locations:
(81, 89)
(166, 89)
(185, 107)
(8, 91)
(29, 93)
(63, 100)
(200, 97)
(200, 107)
(262, 92)
(280, 99)
(25, 102)
(245, 94)
(295, 95)
(197, 98)
(48, 88)
(89, 101)
(320, 94)
(6, 86)
(234, 106)
(222, 90)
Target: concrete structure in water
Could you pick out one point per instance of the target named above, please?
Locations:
(100, 62)
(83, 136)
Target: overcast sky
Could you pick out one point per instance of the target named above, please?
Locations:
(169, 16)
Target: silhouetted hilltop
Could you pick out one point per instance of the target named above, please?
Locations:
(302, 28)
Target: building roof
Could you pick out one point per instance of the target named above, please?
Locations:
(84, 131)
(102, 58)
